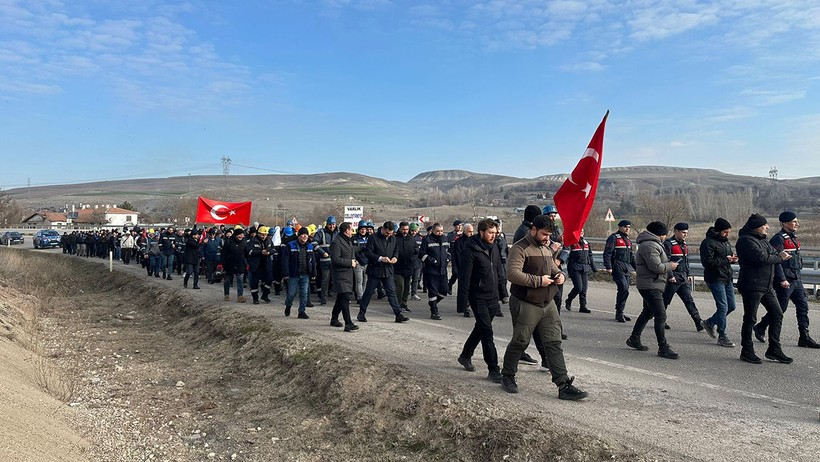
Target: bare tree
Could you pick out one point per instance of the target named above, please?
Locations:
(667, 208)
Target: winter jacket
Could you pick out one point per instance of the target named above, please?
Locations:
(652, 265)
(380, 246)
(714, 253)
(677, 251)
(578, 257)
(407, 252)
(618, 255)
(290, 259)
(523, 230)
(528, 261)
(435, 254)
(233, 256)
(503, 252)
(342, 255)
(788, 270)
(211, 249)
(479, 272)
(757, 260)
(192, 253)
(323, 239)
(167, 243)
(253, 253)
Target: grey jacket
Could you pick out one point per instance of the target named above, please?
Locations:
(652, 264)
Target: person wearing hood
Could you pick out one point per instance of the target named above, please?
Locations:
(717, 257)
(652, 268)
(787, 283)
(758, 260)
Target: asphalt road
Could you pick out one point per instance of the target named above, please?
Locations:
(707, 405)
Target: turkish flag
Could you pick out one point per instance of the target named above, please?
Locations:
(575, 197)
(223, 213)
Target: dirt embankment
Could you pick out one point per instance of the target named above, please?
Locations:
(149, 374)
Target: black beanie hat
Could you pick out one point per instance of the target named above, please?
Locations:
(721, 224)
(624, 223)
(682, 226)
(787, 216)
(755, 221)
(531, 212)
(658, 228)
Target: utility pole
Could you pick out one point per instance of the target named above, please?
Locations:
(226, 169)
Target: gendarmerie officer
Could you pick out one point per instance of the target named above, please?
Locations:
(677, 282)
(619, 260)
(580, 264)
(787, 283)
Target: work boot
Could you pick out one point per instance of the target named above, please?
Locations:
(185, 282)
(584, 310)
(240, 299)
(351, 327)
(361, 317)
(666, 352)
(303, 315)
(776, 354)
(570, 392)
(508, 384)
(806, 341)
(635, 342)
(708, 327)
(466, 313)
(749, 356)
(467, 363)
(402, 318)
(255, 296)
(227, 298)
(621, 317)
(567, 305)
(760, 333)
(698, 323)
(494, 376)
(335, 323)
(170, 278)
(287, 311)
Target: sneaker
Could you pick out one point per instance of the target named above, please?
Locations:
(584, 310)
(494, 376)
(303, 315)
(634, 342)
(335, 323)
(709, 328)
(750, 357)
(776, 354)
(508, 384)
(725, 342)
(416, 297)
(287, 311)
(467, 363)
(435, 316)
(760, 333)
(570, 392)
(545, 366)
(527, 359)
(402, 318)
(667, 353)
(351, 327)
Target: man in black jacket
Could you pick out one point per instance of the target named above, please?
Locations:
(192, 255)
(234, 264)
(480, 271)
(343, 260)
(787, 283)
(168, 245)
(717, 257)
(619, 261)
(380, 252)
(757, 260)
(434, 254)
(407, 253)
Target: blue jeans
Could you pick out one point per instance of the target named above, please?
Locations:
(724, 295)
(230, 278)
(167, 264)
(300, 283)
(154, 264)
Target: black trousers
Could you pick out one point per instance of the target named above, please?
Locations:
(622, 282)
(342, 305)
(653, 307)
(580, 284)
(482, 332)
(797, 294)
(751, 300)
(683, 291)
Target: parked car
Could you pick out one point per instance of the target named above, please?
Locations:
(46, 238)
(12, 237)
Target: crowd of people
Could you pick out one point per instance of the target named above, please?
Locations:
(398, 262)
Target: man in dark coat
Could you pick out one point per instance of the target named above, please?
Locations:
(717, 257)
(298, 267)
(580, 264)
(380, 252)
(480, 271)
(407, 254)
(343, 261)
(757, 260)
(234, 264)
(619, 261)
(435, 254)
(192, 256)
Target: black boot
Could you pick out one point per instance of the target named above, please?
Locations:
(434, 311)
(255, 296)
(698, 323)
(635, 342)
(265, 293)
(185, 281)
(806, 341)
(776, 354)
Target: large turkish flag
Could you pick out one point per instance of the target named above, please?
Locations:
(575, 197)
(223, 213)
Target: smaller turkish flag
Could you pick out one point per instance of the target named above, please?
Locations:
(575, 197)
(223, 213)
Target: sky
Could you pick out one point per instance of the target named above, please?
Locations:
(96, 90)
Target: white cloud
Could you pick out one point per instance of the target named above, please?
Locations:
(586, 66)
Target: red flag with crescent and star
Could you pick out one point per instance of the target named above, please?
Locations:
(223, 213)
(575, 197)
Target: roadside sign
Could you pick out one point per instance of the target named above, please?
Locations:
(353, 213)
(609, 216)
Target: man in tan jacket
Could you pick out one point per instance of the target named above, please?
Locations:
(534, 278)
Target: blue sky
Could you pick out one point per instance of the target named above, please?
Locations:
(93, 90)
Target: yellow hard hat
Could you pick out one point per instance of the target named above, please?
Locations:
(263, 230)
(311, 228)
